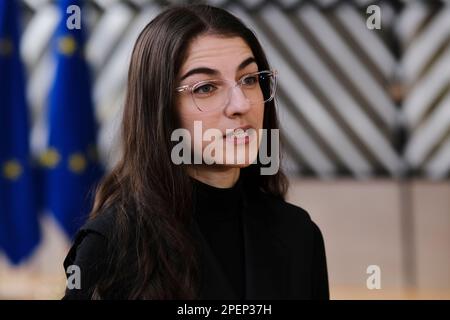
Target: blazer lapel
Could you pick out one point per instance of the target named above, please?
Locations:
(267, 259)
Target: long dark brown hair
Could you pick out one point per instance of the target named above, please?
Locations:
(151, 253)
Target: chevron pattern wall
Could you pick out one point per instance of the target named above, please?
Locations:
(352, 101)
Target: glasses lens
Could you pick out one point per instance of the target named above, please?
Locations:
(257, 88)
(210, 95)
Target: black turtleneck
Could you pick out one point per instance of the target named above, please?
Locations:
(218, 213)
(281, 237)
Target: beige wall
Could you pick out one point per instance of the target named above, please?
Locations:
(404, 228)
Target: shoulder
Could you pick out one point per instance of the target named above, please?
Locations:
(283, 211)
(293, 223)
(91, 241)
(92, 234)
(102, 224)
(89, 253)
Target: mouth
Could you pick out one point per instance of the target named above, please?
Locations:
(239, 135)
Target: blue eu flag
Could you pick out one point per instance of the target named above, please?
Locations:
(70, 159)
(19, 228)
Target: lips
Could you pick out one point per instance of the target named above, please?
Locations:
(240, 135)
(239, 132)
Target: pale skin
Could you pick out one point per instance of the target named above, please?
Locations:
(230, 58)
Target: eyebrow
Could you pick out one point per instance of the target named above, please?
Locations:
(214, 72)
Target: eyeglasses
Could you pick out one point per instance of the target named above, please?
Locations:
(208, 95)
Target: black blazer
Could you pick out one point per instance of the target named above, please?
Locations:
(284, 254)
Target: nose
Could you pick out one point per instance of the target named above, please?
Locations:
(237, 102)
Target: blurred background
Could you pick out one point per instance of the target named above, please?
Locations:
(364, 104)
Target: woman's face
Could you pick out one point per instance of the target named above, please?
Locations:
(233, 115)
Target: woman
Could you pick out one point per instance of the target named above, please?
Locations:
(214, 229)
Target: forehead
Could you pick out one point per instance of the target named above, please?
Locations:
(223, 53)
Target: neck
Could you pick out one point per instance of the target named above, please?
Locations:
(215, 176)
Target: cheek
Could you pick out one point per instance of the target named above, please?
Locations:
(257, 114)
(184, 111)
(192, 119)
(188, 119)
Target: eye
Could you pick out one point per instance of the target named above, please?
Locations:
(206, 88)
(250, 80)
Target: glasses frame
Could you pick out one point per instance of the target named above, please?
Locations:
(191, 87)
